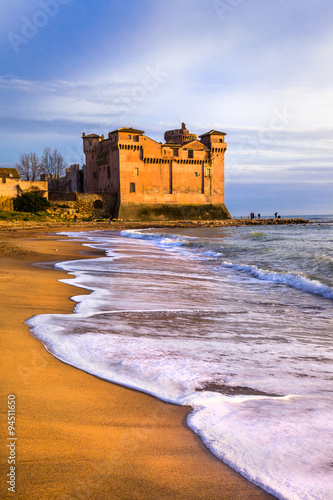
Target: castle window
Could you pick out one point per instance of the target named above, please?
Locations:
(136, 171)
(196, 174)
(175, 152)
(135, 138)
(92, 157)
(132, 187)
(90, 143)
(190, 153)
(94, 175)
(108, 172)
(129, 136)
(208, 172)
(220, 140)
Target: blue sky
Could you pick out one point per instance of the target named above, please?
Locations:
(259, 70)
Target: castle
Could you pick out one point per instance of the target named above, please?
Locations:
(182, 178)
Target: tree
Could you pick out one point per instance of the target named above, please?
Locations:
(53, 163)
(30, 202)
(29, 167)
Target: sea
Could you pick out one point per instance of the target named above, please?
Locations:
(234, 322)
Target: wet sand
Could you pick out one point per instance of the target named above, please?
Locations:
(79, 436)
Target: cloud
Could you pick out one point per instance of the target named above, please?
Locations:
(277, 149)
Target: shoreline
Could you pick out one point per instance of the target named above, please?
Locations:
(70, 225)
(78, 434)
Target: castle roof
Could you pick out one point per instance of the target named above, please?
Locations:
(9, 172)
(194, 144)
(91, 136)
(213, 132)
(128, 130)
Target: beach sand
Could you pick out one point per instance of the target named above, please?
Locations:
(79, 437)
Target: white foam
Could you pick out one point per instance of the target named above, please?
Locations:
(280, 443)
(266, 445)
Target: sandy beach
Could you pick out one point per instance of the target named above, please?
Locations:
(79, 436)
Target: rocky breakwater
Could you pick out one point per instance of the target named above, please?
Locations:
(267, 222)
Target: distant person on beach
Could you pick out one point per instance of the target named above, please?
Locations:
(259, 216)
(275, 215)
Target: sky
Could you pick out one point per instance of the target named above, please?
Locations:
(259, 70)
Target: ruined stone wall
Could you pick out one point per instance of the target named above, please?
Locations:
(86, 205)
(96, 205)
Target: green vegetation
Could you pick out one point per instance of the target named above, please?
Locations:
(30, 202)
(93, 218)
(36, 217)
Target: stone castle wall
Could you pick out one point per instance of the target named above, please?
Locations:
(158, 212)
(85, 205)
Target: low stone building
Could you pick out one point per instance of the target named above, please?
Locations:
(11, 185)
(182, 178)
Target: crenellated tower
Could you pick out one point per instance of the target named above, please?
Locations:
(215, 142)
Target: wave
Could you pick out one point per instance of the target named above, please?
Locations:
(170, 242)
(257, 235)
(325, 260)
(184, 243)
(294, 280)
